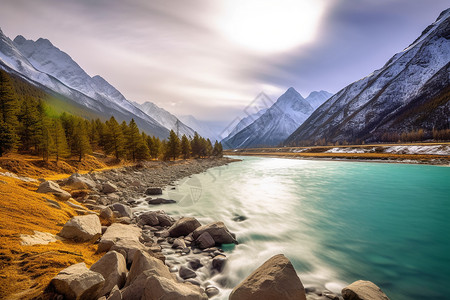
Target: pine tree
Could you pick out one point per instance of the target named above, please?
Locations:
(173, 147)
(209, 148)
(133, 139)
(217, 150)
(196, 145)
(8, 113)
(154, 146)
(185, 147)
(80, 144)
(28, 124)
(142, 151)
(114, 140)
(60, 148)
(45, 139)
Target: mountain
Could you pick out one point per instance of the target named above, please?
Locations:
(45, 66)
(244, 122)
(165, 118)
(410, 92)
(275, 124)
(203, 129)
(316, 99)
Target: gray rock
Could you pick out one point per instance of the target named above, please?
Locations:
(153, 191)
(107, 214)
(275, 279)
(53, 188)
(77, 181)
(219, 262)
(178, 244)
(218, 231)
(195, 263)
(186, 273)
(205, 240)
(184, 226)
(82, 228)
(157, 201)
(121, 210)
(78, 282)
(109, 188)
(117, 232)
(113, 268)
(143, 261)
(211, 291)
(363, 290)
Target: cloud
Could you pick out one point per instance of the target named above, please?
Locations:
(184, 56)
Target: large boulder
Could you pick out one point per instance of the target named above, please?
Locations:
(117, 232)
(121, 210)
(113, 268)
(363, 290)
(275, 279)
(82, 228)
(184, 226)
(143, 261)
(205, 240)
(160, 288)
(109, 188)
(53, 188)
(129, 248)
(150, 279)
(78, 181)
(154, 218)
(218, 231)
(78, 282)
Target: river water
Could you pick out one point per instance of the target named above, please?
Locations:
(336, 221)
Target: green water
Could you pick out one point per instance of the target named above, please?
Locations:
(336, 221)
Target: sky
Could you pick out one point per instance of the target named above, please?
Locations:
(210, 58)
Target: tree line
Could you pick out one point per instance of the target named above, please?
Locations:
(26, 126)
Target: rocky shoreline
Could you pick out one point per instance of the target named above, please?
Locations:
(152, 255)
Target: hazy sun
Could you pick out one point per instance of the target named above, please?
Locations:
(269, 25)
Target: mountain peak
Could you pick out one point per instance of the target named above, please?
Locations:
(19, 40)
(44, 42)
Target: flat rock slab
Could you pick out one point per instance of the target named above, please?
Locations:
(157, 201)
(82, 228)
(117, 232)
(53, 188)
(38, 238)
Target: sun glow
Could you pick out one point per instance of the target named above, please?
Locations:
(268, 26)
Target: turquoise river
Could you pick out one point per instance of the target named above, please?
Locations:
(336, 221)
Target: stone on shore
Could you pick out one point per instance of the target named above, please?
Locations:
(157, 201)
(53, 188)
(184, 226)
(219, 262)
(117, 232)
(78, 282)
(153, 191)
(186, 273)
(82, 228)
(80, 182)
(275, 279)
(363, 290)
(160, 288)
(205, 240)
(218, 231)
(113, 268)
(143, 261)
(109, 188)
(121, 210)
(153, 218)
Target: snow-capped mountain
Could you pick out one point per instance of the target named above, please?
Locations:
(316, 99)
(244, 122)
(165, 118)
(275, 124)
(200, 127)
(44, 65)
(410, 92)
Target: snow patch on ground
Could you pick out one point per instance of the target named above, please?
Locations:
(348, 150)
(432, 150)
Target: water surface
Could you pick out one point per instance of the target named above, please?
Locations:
(336, 221)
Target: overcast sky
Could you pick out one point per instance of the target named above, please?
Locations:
(211, 58)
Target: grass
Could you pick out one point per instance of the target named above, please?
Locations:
(25, 271)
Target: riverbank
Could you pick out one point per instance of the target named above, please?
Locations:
(415, 153)
(28, 267)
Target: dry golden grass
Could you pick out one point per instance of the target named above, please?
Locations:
(25, 271)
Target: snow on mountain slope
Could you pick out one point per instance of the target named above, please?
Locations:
(47, 58)
(13, 60)
(274, 125)
(411, 78)
(201, 128)
(165, 118)
(316, 99)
